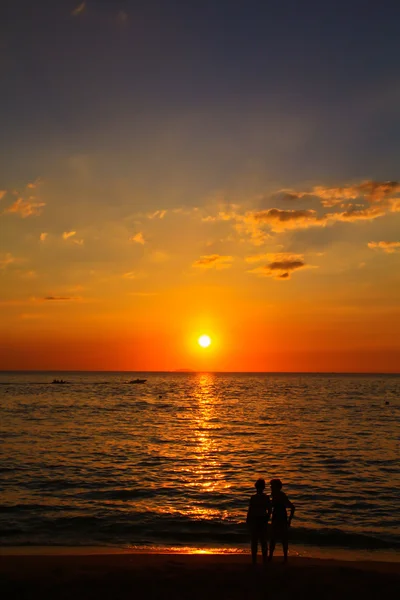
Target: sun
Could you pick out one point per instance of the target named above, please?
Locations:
(204, 341)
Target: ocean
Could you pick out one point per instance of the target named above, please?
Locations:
(170, 464)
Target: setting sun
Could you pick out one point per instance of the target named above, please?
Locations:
(204, 341)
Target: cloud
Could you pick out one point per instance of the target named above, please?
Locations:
(281, 220)
(68, 234)
(2, 194)
(43, 236)
(79, 9)
(395, 205)
(366, 214)
(138, 238)
(281, 266)
(372, 191)
(158, 214)
(8, 259)
(60, 298)
(388, 247)
(25, 208)
(213, 261)
(130, 275)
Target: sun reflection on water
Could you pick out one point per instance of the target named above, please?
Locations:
(206, 475)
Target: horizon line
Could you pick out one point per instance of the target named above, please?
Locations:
(193, 371)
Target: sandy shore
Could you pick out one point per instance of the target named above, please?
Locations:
(175, 576)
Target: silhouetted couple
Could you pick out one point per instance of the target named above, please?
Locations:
(261, 508)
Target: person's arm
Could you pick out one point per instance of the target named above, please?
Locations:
(292, 509)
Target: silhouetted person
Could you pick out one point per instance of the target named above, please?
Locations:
(258, 515)
(280, 522)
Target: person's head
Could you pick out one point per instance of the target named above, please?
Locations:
(260, 485)
(276, 485)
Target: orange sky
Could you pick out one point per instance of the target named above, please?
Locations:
(172, 173)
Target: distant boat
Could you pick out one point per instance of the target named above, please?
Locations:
(58, 381)
(138, 381)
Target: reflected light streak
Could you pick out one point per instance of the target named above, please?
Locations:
(208, 470)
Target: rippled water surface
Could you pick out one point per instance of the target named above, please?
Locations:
(172, 462)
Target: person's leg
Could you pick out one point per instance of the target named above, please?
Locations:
(254, 543)
(285, 546)
(272, 543)
(264, 544)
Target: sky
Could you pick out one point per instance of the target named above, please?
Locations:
(174, 169)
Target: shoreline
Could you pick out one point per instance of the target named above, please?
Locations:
(296, 553)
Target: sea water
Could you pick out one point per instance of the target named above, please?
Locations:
(171, 463)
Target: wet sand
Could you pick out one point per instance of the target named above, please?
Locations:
(179, 576)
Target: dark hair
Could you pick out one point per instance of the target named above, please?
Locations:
(260, 484)
(276, 483)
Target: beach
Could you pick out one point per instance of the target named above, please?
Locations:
(203, 576)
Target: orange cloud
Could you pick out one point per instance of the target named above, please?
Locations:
(68, 234)
(395, 205)
(138, 238)
(2, 194)
(43, 236)
(8, 259)
(372, 191)
(215, 261)
(388, 247)
(25, 208)
(365, 214)
(158, 214)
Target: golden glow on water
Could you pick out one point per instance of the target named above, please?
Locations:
(207, 474)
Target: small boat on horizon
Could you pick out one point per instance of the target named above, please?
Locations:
(138, 381)
(58, 381)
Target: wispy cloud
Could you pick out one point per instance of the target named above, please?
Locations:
(138, 238)
(68, 234)
(79, 9)
(388, 247)
(213, 261)
(6, 260)
(2, 194)
(130, 275)
(158, 214)
(60, 298)
(25, 208)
